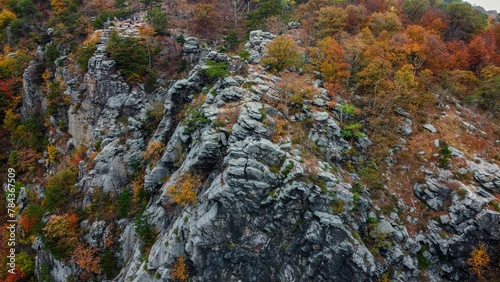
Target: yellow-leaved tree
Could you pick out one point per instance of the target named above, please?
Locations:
(478, 261)
(6, 17)
(184, 191)
(59, 235)
(179, 271)
(282, 53)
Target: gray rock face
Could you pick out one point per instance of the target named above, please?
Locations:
(249, 123)
(57, 269)
(264, 211)
(487, 174)
(326, 134)
(191, 49)
(238, 231)
(432, 193)
(240, 226)
(430, 127)
(405, 128)
(258, 40)
(32, 96)
(466, 221)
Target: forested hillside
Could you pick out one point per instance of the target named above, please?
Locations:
(249, 140)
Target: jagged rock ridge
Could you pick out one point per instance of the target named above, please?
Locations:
(257, 215)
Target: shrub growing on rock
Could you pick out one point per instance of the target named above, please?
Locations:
(131, 56)
(478, 261)
(282, 53)
(184, 191)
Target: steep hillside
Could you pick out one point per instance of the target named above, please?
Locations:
(352, 141)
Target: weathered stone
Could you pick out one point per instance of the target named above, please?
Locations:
(445, 219)
(430, 127)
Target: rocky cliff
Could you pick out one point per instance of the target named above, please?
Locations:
(274, 200)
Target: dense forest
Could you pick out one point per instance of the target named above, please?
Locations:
(386, 58)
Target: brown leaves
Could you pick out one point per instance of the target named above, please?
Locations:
(87, 258)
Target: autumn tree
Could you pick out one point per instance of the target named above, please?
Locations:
(415, 9)
(309, 8)
(179, 270)
(478, 261)
(356, 18)
(330, 60)
(282, 53)
(60, 6)
(329, 21)
(374, 77)
(6, 17)
(460, 83)
(434, 20)
(61, 191)
(59, 235)
(376, 6)
(464, 21)
(87, 258)
(479, 54)
(184, 191)
(459, 55)
(384, 21)
(154, 152)
(437, 56)
(206, 21)
(292, 90)
(353, 47)
(407, 92)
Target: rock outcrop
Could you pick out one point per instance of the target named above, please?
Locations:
(267, 207)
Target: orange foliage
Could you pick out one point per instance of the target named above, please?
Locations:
(478, 261)
(281, 130)
(435, 21)
(18, 276)
(60, 235)
(27, 160)
(6, 88)
(137, 185)
(184, 191)
(27, 222)
(87, 258)
(459, 51)
(333, 64)
(292, 90)
(437, 56)
(179, 271)
(154, 151)
(59, 6)
(330, 20)
(479, 54)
